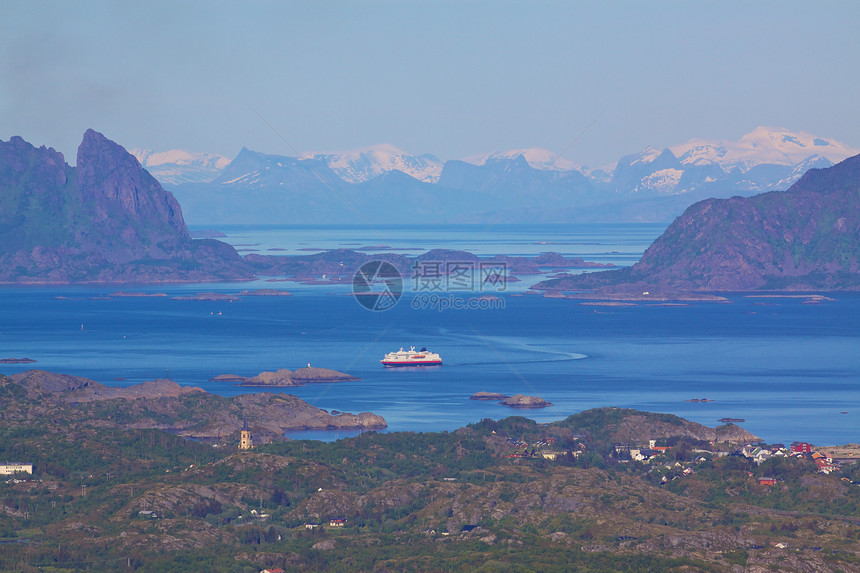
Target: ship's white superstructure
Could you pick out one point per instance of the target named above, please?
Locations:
(411, 357)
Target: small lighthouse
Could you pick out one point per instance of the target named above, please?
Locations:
(245, 442)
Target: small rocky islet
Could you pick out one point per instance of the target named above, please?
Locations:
(488, 396)
(515, 401)
(523, 401)
(16, 360)
(284, 378)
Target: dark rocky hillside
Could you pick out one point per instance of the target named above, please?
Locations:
(805, 238)
(186, 411)
(106, 220)
(110, 492)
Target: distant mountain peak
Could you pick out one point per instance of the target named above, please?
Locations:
(105, 220)
(772, 145)
(149, 158)
(804, 238)
(365, 163)
(537, 157)
(178, 166)
(112, 181)
(650, 155)
(655, 184)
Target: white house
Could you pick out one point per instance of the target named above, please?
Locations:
(9, 468)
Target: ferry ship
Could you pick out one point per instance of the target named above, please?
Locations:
(411, 357)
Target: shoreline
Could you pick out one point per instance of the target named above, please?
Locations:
(305, 331)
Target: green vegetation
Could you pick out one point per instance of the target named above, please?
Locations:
(473, 499)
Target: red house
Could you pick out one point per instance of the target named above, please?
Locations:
(767, 481)
(801, 447)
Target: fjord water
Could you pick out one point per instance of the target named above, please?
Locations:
(788, 368)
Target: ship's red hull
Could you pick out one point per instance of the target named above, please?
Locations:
(412, 363)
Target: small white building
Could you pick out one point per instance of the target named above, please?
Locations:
(10, 468)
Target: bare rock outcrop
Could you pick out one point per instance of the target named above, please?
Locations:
(312, 374)
(521, 401)
(298, 377)
(280, 377)
(494, 396)
(184, 410)
(625, 425)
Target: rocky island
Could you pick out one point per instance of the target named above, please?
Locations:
(489, 396)
(16, 361)
(286, 378)
(118, 224)
(165, 405)
(521, 401)
(804, 239)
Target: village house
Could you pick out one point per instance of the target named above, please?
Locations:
(555, 454)
(824, 463)
(10, 468)
(643, 454)
(757, 453)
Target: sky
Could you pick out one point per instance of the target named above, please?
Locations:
(591, 81)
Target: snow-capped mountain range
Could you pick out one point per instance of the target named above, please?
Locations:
(765, 159)
(550, 188)
(359, 165)
(763, 145)
(177, 166)
(776, 146)
(536, 157)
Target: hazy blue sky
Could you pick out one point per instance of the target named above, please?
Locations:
(448, 78)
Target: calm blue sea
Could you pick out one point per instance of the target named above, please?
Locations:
(791, 370)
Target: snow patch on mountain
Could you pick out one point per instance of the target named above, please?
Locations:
(772, 145)
(245, 179)
(647, 155)
(536, 157)
(359, 165)
(663, 181)
(149, 158)
(811, 162)
(178, 166)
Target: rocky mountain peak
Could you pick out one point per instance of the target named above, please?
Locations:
(122, 195)
(107, 220)
(805, 238)
(842, 177)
